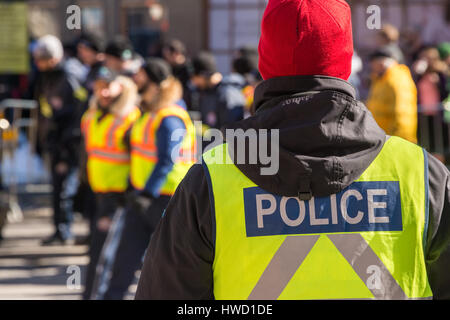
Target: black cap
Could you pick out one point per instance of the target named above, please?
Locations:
(385, 52)
(176, 46)
(120, 48)
(204, 64)
(157, 70)
(247, 51)
(92, 41)
(245, 64)
(106, 74)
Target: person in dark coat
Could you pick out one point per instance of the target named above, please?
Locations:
(61, 98)
(220, 99)
(174, 52)
(90, 50)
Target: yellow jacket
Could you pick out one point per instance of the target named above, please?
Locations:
(393, 102)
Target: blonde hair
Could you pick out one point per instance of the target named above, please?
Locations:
(126, 102)
(389, 33)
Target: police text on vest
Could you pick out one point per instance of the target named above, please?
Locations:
(363, 206)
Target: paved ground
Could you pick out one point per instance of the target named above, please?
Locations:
(30, 271)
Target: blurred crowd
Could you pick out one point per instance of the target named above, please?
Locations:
(406, 85)
(108, 115)
(117, 131)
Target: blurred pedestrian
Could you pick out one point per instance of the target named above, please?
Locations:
(411, 42)
(118, 53)
(220, 102)
(61, 99)
(431, 73)
(133, 65)
(393, 96)
(430, 70)
(387, 39)
(444, 51)
(246, 65)
(105, 126)
(174, 52)
(90, 50)
(162, 151)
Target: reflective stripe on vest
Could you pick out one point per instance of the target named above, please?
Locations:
(108, 163)
(144, 153)
(108, 156)
(366, 242)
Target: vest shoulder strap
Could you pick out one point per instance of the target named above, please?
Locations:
(173, 111)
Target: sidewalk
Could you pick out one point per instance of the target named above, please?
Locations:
(30, 271)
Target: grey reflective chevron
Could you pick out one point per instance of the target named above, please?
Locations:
(110, 155)
(282, 267)
(353, 247)
(368, 266)
(111, 133)
(144, 152)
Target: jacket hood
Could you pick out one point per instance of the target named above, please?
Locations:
(327, 139)
(234, 79)
(127, 101)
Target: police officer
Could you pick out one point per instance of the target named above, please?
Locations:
(105, 126)
(163, 148)
(90, 49)
(350, 212)
(61, 99)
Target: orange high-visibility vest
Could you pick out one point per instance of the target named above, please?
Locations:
(108, 163)
(144, 153)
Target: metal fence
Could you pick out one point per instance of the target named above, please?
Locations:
(434, 130)
(18, 119)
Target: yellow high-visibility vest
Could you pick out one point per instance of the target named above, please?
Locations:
(144, 153)
(108, 164)
(366, 242)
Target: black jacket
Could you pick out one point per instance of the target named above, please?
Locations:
(335, 139)
(59, 133)
(221, 104)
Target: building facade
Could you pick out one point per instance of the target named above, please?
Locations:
(233, 23)
(142, 20)
(223, 26)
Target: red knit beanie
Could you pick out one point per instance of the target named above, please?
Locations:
(306, 37)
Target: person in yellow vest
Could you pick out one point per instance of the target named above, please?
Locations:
(342, 211)
(105, 127)
(393, 96)
(163, 148)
